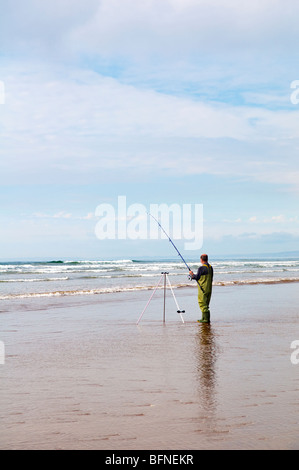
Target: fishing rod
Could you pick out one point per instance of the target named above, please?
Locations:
(174, 247)
(170, 241)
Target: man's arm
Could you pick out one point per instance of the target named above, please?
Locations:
(202, 270)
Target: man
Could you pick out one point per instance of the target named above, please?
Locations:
(204, 278)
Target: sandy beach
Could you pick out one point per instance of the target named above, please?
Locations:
(80, 374)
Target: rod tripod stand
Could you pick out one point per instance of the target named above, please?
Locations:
(164, 276)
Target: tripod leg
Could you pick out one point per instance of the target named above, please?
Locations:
(149, 300)
(178, 308)
(165, 276)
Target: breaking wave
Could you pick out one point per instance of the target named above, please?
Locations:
(119, 289)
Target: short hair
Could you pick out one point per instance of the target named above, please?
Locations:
(204, 258)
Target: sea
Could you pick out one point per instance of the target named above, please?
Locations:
(53, 278)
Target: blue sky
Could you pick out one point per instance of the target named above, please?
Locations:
(169, 101)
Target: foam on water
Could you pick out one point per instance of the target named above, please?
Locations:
(88, 277)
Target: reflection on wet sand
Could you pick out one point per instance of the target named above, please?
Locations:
(206, 354)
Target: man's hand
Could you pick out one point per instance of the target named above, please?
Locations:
(191, 273)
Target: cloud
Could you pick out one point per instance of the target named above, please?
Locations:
(279, 218)
(70, 123)
(33, 28)
(143, 30)
(58, 215)
(193, 27)
(253, 243)
(62, 215)
(275, 219)
(197, 25)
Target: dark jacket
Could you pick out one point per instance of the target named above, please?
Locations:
(204, 278)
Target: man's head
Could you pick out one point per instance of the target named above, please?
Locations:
(204, 258)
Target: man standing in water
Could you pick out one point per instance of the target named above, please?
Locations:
(204, 278)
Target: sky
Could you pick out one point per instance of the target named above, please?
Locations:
(160, 101)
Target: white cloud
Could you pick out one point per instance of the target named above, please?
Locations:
(32, 27)
(144, 29)
(93, 105)
(179, 28)
(63, 215)
(279, 218)
(58, 215)
(63, 122)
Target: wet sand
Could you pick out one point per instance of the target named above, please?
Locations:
(80, 374)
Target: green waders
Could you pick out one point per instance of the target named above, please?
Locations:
(204, 294)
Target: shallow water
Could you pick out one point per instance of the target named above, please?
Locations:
(80, 374)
